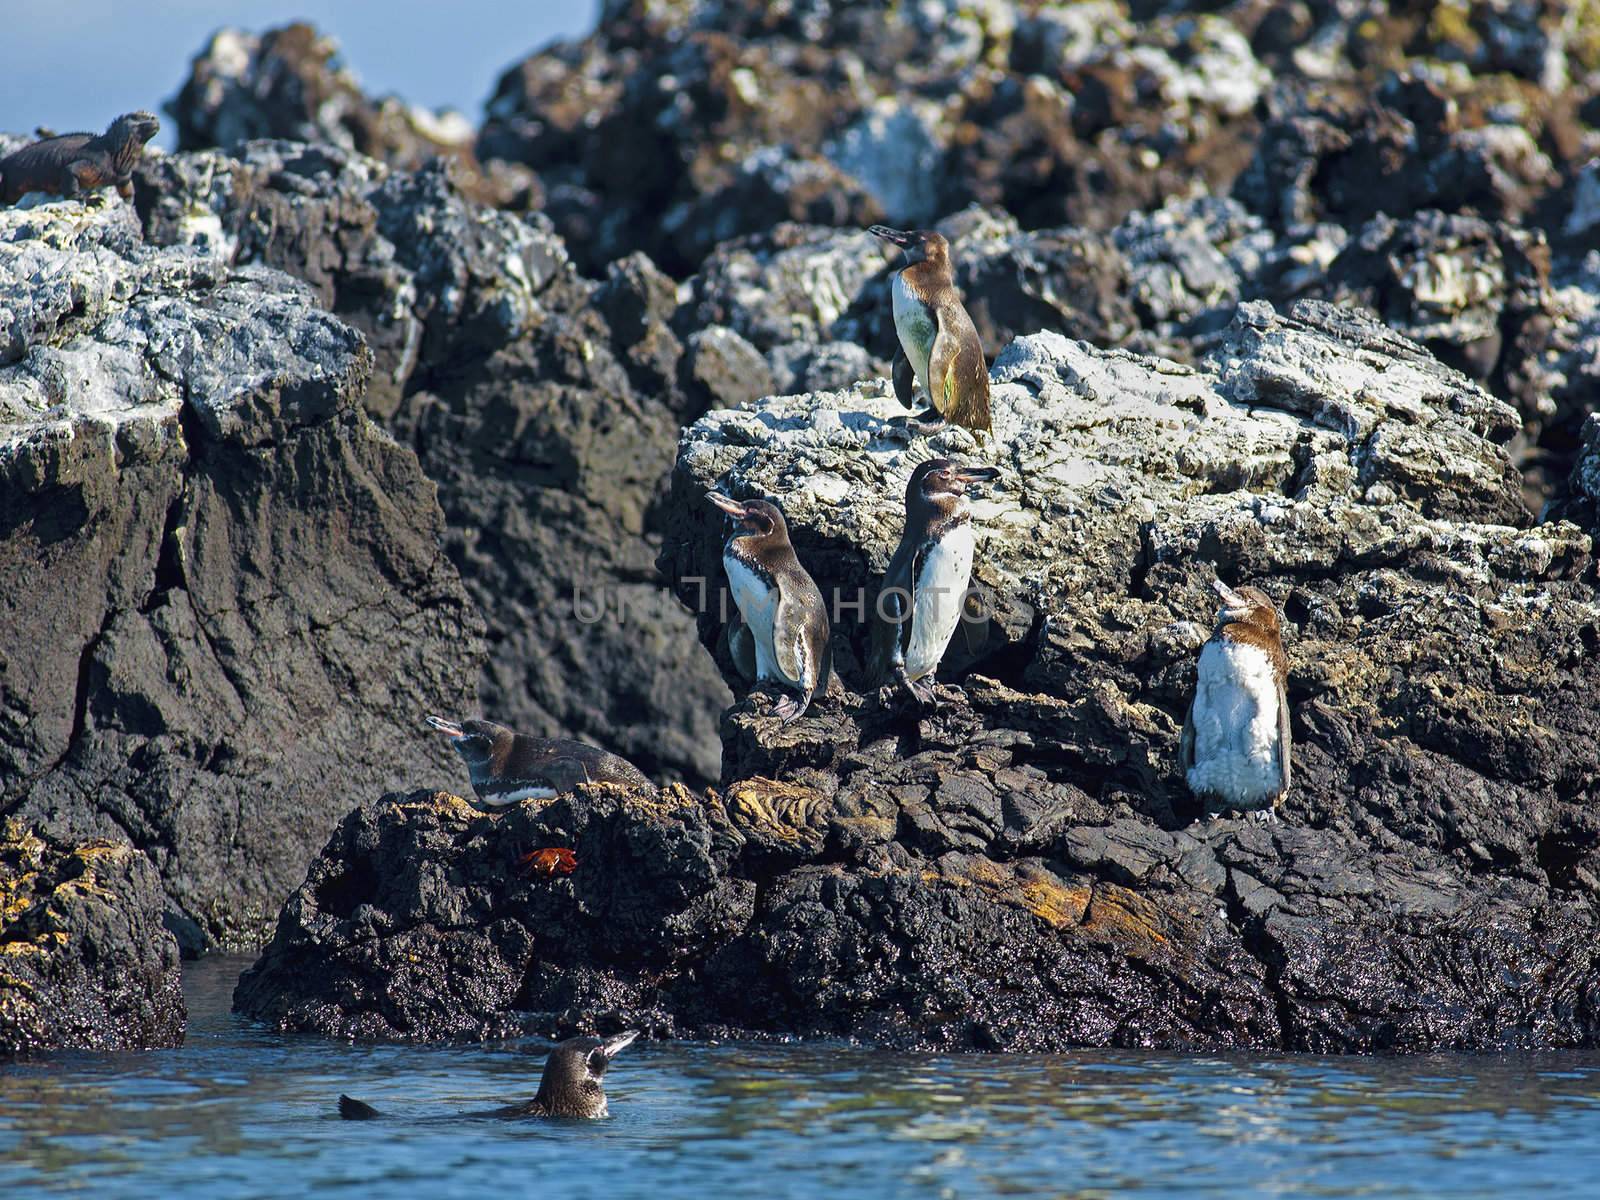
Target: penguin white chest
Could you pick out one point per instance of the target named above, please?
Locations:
(937, 594)
(1235, 726)
(758, 605)
(914, 322)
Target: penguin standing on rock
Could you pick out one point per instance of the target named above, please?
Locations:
(573, 1084)
(925, 586)
(780, 603)
(939, 347)
(1235, 747)
(508, 767)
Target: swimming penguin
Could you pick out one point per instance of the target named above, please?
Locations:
(573, 1084)
(1235, 747)
(779, 601)
(939, 345)
(925, 586)
(507, 767)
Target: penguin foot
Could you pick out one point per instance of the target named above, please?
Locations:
(922, 424)
(920, 691)
(788, 710)
(1265, 816)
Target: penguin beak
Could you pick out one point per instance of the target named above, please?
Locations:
(612, 1047)
(894, 236)
(1229, 597)
(728, 505)
(448, 728)
(978, 474)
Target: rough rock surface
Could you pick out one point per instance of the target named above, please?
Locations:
(84, 959)
(1105, 133)
(544, 406)
(677, 126)
(1024, 869)
(290, 83)
(225, 597)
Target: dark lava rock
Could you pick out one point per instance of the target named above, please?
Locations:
(289, 83)
(684, 125)
(84, 960)
(724, 370)
(947, 895)
(1408, 148)
(545, 407)
(1475, 293)
(225, 593)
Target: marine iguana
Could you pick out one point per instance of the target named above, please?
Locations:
(74, 163)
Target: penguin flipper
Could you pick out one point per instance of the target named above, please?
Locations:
(352, 1109)
(1186, 743)
(891, 613)
(795, 656)
(905, 379)
(958, 375)
(1283, 739)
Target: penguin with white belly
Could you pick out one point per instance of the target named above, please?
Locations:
(782, 607)
(1235, 749)
(939, 346)
(925, 586)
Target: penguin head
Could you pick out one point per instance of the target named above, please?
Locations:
(753, 518)
(920, 245)
(940, 477)
(1246, 606)
(475, 741)
(574, 1075)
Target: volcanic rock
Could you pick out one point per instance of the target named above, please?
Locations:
(226, 597)
(87, 963)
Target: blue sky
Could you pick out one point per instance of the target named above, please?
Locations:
(75, 64)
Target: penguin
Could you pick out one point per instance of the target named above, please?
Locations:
(939, 346)
(779, 601)
(507, 767)
(1235, 749)
(573, 1084)
(919, 605)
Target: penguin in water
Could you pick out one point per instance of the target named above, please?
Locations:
(508, 767)
(780, 603)
(925, 586)
(573, 1084)
(939, 346)
(1235, 749)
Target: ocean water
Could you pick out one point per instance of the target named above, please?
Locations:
(240, 1111)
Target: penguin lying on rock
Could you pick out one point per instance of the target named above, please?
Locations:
(508, 767)
(1235, 748)
(573, 1084)
(925, 586)
(939, 346)
(780, 603)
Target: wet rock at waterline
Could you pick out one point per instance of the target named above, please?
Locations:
(85, 962)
